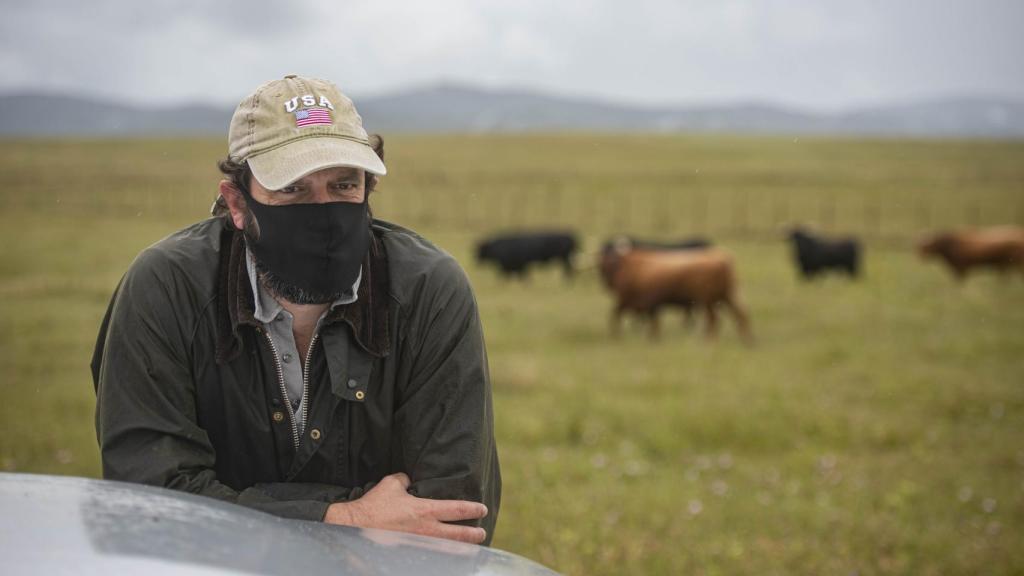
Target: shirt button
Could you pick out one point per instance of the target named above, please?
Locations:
(352, 383)
(360, 395)
(314, 434)
(287, 357)
(278, 416)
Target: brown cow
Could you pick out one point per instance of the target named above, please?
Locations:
(1000, 247)
(644, 281)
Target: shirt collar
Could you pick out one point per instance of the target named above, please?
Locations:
(267, 307)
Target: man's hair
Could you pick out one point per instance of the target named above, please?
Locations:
(240, 175)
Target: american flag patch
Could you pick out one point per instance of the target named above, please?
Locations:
(313, 117)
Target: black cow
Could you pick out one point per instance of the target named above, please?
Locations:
(632, 242)
(513, 253)
(815, 254)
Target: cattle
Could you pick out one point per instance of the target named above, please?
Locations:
(633, 242)
(815, 254)
(514, 253)
(644, 281)
(1000, 247)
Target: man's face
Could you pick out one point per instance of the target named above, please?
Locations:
(340, 184)
(330, 185)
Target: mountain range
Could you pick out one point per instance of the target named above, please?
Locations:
(452, 108)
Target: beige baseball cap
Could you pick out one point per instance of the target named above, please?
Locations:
(295, 126)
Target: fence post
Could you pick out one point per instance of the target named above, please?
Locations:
(426, 214)
(973, 210)
(827, 211)
(660, 209)
(698, 213)
(780, 210)
(554, 211)
(518, 209)
(588, 211)
(924, 213)
(872, 215)
(739, 211)
(623, 212)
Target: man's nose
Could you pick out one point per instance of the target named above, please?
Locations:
(321, 194)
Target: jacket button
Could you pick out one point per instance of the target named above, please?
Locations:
(360, 395)
(352, 383)
(314, 434)
(278, 416)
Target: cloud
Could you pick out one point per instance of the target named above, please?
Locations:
(817, 53)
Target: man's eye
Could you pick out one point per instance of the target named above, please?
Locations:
(345, 185)
(291, 189)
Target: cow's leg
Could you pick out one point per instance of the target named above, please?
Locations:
(567, 268)
(742, 319)
(959, 272)
(712, 322)
(615, 320)
(652, 316)
(688, 315)
(1003, 268)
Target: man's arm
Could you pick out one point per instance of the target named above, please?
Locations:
(444, 417)
(390, 506)
(145, 411)
(148, 432)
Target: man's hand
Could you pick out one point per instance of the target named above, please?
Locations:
(390, 506)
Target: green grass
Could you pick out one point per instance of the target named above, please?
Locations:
(876, 427)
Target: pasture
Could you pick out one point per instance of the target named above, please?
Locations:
(876, 427)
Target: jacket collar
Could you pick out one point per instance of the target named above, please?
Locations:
(367, 316)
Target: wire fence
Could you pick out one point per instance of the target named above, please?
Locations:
(880, 217)
(884, 192)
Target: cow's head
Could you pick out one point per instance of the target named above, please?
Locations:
(935, 244)
(484, 251)
(797, 234)
(610, 257)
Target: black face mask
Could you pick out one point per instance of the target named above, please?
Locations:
(311, 253)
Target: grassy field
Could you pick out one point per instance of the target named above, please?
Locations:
(876, 427)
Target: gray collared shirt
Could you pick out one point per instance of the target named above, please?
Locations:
(278, 323)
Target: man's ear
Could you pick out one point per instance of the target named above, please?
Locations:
(377, 143)
(235, 201)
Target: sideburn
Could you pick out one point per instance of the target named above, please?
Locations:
(250, 226)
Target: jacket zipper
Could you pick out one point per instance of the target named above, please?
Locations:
(305, 379)
(284, 390)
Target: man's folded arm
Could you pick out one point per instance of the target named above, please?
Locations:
(146, 422)
(445, 416)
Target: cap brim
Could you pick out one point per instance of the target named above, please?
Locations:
(277, 168)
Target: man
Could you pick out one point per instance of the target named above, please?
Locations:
(294, 355)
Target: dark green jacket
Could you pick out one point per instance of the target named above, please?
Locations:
(188, 395)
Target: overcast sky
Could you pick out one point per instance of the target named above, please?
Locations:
(822, 54)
